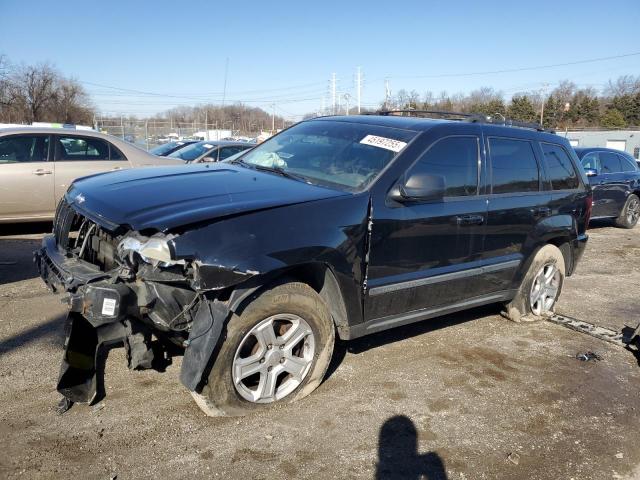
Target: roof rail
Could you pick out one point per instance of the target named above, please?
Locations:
(472, 117)
(468, 117)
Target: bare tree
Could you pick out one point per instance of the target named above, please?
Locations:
(624, 85)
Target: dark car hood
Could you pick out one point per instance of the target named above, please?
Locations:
(168, 197)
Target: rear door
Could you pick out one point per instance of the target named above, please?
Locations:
(78, 156)
(26, 177)
(424, 254)
(610, 189)
(516, 202)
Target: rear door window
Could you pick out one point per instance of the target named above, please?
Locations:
(24, 148)
(562, 174)
(71, 148)
(627, 165)
(456, 160)
(610, 162)
(514, 167)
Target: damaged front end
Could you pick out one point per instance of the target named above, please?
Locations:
(126, 288)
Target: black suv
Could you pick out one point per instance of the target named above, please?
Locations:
(347, 225)
(615, 179)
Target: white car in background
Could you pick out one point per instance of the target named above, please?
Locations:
(37, 165)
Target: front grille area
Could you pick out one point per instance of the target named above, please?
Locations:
(63, 222)
(91, 243)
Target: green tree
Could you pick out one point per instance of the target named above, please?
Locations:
(613, 118)
(552, 112)
(522, 109)
(588, 111)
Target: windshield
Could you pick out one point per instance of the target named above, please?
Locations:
(193, 151)
(165, 148)
(335, 153)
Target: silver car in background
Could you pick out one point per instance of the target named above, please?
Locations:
(37, 165)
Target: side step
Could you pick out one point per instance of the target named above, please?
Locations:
(622, 339)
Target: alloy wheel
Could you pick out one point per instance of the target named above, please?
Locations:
(273, 358)
(633, 211)
(545, 288)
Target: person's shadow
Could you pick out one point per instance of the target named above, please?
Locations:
(398, 456)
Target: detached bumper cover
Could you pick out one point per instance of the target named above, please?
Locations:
(102, 314)
(60, 272)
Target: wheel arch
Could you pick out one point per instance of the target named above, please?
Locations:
(319, 276)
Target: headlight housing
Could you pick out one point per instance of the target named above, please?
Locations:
(154, 250)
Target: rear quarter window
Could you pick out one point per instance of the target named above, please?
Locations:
(560, 169)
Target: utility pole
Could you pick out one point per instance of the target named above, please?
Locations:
(333, 93)
(273, 119)
(346, 97)
(206, 122)
(387, 94)
(323, 108)
(358, 88)
(224, 89)
(544, 94)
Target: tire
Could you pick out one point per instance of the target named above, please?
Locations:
(630, 213)
(261, 340)
(549, 263)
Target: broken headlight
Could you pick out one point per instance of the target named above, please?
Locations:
(154, 250)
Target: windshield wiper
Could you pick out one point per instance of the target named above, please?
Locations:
(279, 171)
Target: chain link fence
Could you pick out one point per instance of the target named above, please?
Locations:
(147, 134)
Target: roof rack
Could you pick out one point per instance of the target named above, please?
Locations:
(466, 117)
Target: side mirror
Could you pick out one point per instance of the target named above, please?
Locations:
(419, 187)
(591, 172)
(208, 159)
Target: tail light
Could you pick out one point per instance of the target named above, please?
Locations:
(588, 207)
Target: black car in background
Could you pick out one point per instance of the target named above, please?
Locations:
(336, 226)
(170, 147)
(210, 151)
(615, 179)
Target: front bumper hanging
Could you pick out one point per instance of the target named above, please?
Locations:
(103, 314)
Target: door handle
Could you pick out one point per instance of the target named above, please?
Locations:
(41, 171)
(469, 220)
(541, 212)
(116, 168)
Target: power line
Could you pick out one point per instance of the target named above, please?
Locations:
(519, 69)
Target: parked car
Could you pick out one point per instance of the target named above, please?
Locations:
(336, 226)
(207, 151)
(167, 148)
(37, 165)
(615, 179)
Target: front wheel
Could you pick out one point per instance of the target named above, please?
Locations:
(630, 212)
(276, 351)
(540, 288)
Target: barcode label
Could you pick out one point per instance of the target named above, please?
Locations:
(383, 142)
(109, 306)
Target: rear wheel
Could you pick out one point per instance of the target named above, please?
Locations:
(630, 212)
(540, 288)
(276, 351)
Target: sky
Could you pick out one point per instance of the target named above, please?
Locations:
(143, 57)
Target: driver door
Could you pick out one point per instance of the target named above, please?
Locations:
(424, 255)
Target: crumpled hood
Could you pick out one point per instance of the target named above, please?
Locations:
(167, 197)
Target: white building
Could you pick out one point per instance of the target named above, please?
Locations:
(625, 140)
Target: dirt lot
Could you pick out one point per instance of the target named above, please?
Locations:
(468, 396)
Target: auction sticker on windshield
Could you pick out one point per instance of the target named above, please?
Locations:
(383, 142)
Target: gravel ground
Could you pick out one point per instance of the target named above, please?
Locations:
(467, 396)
